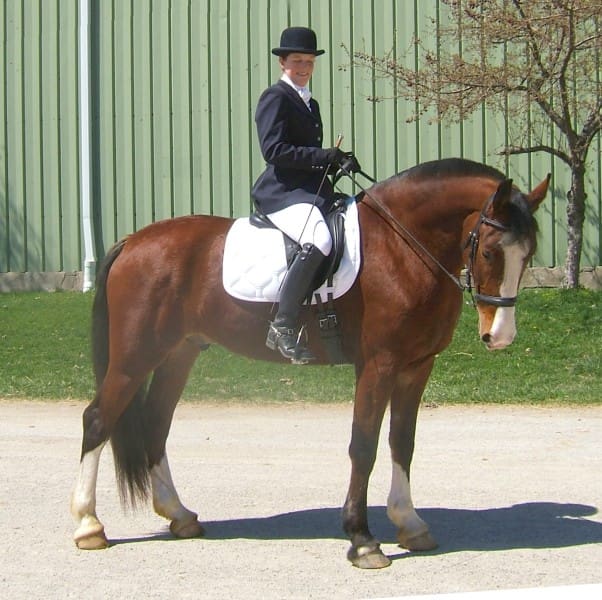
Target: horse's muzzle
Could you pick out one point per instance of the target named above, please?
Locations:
(496, 342)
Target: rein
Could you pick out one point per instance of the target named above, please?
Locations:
(472, 241)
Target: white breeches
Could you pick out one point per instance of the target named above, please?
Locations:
(305, 224)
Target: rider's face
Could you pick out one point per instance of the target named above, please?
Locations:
(299, 67)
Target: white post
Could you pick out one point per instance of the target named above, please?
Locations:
(84, 145)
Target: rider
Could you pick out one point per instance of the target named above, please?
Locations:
(294, 191)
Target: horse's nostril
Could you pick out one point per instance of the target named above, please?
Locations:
(486, 338)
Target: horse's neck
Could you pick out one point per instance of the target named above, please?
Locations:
(432, 221)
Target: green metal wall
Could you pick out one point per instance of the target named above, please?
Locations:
(39, 203)
(174, 86)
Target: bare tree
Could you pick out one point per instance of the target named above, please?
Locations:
(535, 61)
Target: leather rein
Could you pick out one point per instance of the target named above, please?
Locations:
(472, 241)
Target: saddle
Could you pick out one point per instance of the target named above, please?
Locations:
(335, 220)
(326, 315)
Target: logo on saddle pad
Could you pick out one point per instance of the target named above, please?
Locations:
(255, 261)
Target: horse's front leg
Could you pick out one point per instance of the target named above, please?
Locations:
(167, 385)
(413, 532)
(371, 397)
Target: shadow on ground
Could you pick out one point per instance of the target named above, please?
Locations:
(528, 525)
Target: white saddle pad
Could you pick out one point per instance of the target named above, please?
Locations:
(255, 260)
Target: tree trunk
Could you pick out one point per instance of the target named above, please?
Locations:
(575, 212)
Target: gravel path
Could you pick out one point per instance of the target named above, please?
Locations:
(512, 495)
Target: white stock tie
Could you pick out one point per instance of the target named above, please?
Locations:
(305, 95)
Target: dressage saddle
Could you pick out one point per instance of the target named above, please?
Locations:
(335, 220)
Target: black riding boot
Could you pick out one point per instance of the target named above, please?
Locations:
(283, 334)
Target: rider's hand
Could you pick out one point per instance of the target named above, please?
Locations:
(335, 157)
(350, 164)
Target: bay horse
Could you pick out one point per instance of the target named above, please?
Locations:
(160, 301)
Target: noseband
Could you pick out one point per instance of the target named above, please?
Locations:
(473, 242)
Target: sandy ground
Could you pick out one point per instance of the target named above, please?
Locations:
(513, 496)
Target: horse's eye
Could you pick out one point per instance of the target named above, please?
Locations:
(487, 255)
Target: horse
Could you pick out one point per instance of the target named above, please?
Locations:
(160, 302)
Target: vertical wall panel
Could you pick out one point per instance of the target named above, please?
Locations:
(143, 173)
(49, 113)
(124, 149)
(220, 106)
(181, 108)
(406, 132)
(4, 208)
(66, 206)
(428, 133)
(32, 167)
(14, 153)
(200, 74)
(174, 87)
(241, 135)
(161, 109)
(339, 78)
(597, 203)
(384, 131)
(104, 179)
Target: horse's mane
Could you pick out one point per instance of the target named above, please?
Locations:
(451, 167)
(521, 220)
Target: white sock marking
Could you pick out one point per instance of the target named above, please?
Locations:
(83, 499)
(399, 505)
(165, 498)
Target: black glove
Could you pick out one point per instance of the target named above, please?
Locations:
(350, 164)
(335, 156)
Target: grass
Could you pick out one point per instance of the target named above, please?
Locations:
(556, 358)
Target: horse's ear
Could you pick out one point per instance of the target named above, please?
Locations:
(536, 196)
(502, 195)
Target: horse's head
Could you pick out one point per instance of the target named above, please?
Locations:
(498, 249)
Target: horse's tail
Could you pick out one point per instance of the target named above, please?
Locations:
(100, 315)
(128, 436)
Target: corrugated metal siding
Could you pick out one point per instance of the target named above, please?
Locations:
(174, 86)
(39, 204)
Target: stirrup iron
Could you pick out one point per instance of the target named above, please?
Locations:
(288, 342)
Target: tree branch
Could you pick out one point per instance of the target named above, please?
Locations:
(534, 45)
(564, 94)
(513, 150)
(592, 126)
(555, 117)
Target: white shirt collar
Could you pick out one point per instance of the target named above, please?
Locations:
(303, 92)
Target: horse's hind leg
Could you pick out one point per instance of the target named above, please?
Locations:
(413, 532)
(90, 534)
(166, 388)
(98, 421)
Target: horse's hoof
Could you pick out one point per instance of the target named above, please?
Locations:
(421, 542)
(92, 540)
(187, 529)
(368, 557)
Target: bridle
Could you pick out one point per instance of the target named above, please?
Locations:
(472, 241)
